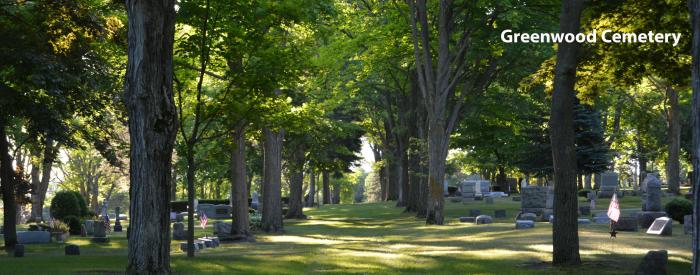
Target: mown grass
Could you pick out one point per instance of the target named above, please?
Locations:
(379, 238)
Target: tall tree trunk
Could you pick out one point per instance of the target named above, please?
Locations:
(312, 188)
(39, 193)
(272, 181)
(240, 225)
(561, 125)
(152, 120)
(191, 167)
(37, 207)
(674, 142)
(437, 154)
(173, 185)
(296, 184)
(401, 178)
(336, 195)
(414, 180)
(7, 181)
(326, 188)
(694, 6)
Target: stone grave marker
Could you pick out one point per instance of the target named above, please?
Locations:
(483, 219)
(72, 249)
(255, 202)
(83, 231)
(527, 216)
(183, 247)
(467, 219)
(469, 190)
(32, 237)
(688, 224)
(117, 223)
(626, 223)
(474, 212)
(89, 227)
(584, 221)
(585, 210)
(534, 199)
(99, 232)
(179, 232)
(601, 218)
(608, 184)
(661, 226)
(654, 263)
(221, 211)
(524, 224)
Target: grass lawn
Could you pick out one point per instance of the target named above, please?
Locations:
(378, 238)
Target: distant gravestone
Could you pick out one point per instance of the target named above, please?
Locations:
(474, 212)
(221, 211)
(484, 219)
(646, 218)
(117, 223)
(654, 263)
(83, 231)
(179, 232)
(549, 204)
(255, 202)
(501, 213)
(516, 198)
(625, 223)
(601, 218)
(652, 198)
(608, 184)
(469, 190)
(32, 237)
(661, 226)
(183, 247)
(585, 210)
(584, 221)
(72, 249)
(89, 227)
(688, 224)
(99, 232)
(467, 219)
(19, 250)
(534, 199)
(528, 217)
(524, 224)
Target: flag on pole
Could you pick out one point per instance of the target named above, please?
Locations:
(203, 220)
(614, 209)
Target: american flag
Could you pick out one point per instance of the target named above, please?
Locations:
(614, 209)
(203, 220)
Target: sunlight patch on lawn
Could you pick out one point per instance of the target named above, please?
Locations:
(301, 240)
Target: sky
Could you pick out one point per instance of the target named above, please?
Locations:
(367, 157)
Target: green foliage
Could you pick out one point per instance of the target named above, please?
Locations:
(679, 207)
(84, 211)
(61, 227)
(73, 223)
(64, 204)
(255, 221)
(372, 187)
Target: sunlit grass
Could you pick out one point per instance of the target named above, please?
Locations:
(379, 238)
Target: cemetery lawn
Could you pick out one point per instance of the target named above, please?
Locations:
(378, 238)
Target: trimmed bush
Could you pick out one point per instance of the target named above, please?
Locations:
(84, 211)
(678, 207)
(73, 223)
(64, 204)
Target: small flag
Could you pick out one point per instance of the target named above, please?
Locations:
(203, 220)
(614, 209)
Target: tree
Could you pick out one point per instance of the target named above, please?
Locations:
(694, 6)
(152, 125)
(561, 125)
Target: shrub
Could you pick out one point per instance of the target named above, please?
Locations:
(255, 221)
(583, 193)
(84, 211)
(73, 223)
(678, 207)
(58, 226)
(64, 204)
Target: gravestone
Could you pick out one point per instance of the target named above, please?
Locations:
(688, 224)
(549, 204)
(255, 202)
(584, 221)
(601, 218)
(489, 200)
(72, 249)
(467, 219)
(183, 247)
(483, 219)
(83, 231)
(534, 199)
(117, 223)
(654, 263)
(221, 211)
(662, 226)
(222, 229)
(19, 250)
(527, 216)
(608, 184)
(652, 199)
(524, 224)
(89, 227)
(474, 212)
(585, 210)
(511, 185)
(445, 188)
(173, 216)
(592, 195)
(626, 223)
(180, 217)
(179, 232)
(31, 237)
(469, 190)
(501, 213)
(646, 218)
(207, 208)
(99, 232)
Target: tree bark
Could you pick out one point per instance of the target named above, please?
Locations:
(336, 195)
(152, 120)
(694, 6)
(674, 142)
(326, 188)
(296, 184)
(40, 187)
(312, 188)
(272, 178)
(240, 224)
(191, 167)
(7, 179)
(565, 228)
